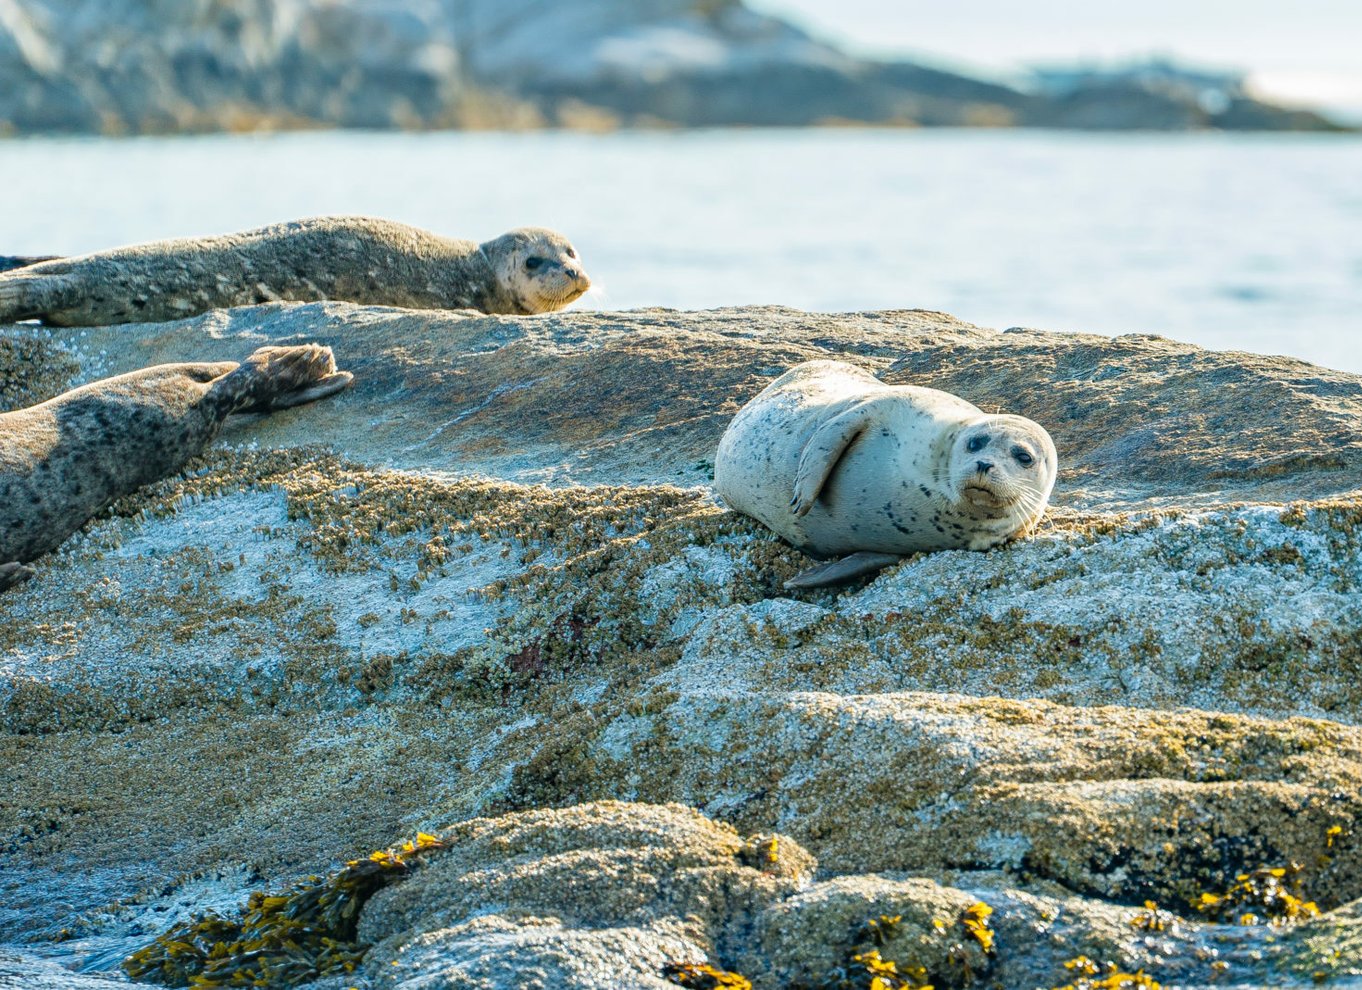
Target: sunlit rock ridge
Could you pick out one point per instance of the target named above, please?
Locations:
(488, 593)
(166, 66)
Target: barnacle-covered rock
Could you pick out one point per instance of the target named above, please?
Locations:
(597, 895)
(491, 581)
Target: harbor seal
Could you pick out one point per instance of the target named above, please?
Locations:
(69, 458)
(8, 262)
(353, 259)
(836, 462)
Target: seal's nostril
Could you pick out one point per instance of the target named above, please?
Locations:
(984, 466)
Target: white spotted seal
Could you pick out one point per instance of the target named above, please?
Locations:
(353, 259)
(837, 462)
(69, 458)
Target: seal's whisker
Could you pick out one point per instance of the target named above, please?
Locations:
(595, 297)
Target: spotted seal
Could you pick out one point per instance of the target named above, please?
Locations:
(354, 259)
(69, 458)
(9, 262)
(839, 463)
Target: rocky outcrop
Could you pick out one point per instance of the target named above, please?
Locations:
(157, 66)
(164, 66)
(490, 584)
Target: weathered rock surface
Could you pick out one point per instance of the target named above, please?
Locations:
(562, 916)
(158, 66)
(491, 579)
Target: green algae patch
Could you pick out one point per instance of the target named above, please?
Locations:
(281, 941)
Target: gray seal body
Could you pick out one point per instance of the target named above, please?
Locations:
(67, 459)
(9, 262)
(353, 259)
(838, 463)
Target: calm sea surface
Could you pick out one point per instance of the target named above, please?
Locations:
(1251, 242)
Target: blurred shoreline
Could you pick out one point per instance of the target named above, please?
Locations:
(165, 67)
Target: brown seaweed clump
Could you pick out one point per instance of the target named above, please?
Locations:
(1269, 895)
(703, 977)
(1090, 976)
(866, 969)
(280, 941)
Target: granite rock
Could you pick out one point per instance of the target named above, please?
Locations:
(492, 580)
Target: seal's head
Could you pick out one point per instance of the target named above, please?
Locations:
(1004, 466)
(537, 269)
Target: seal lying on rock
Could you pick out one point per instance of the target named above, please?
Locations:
(354, 259)
(9, 262)
(837, 462)
(69, 458)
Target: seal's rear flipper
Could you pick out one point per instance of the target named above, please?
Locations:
(843, 570)
(280, 377)
(14, 573)
(329, 385)
(31, 296)
(16, 299)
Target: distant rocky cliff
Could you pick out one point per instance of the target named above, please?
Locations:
(149, 66)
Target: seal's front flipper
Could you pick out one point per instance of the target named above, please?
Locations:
(14, 573)
(821, 454)
(843, 570)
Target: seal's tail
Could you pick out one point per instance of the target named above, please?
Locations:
(28, 295)
(17, 300)
(279, 377)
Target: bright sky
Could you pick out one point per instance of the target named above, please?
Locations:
(1305, 51)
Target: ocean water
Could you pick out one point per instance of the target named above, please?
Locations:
(1251, 242)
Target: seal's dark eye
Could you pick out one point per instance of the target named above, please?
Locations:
(976, 444)
(532, 264)
(572, 253)
(1023, 457)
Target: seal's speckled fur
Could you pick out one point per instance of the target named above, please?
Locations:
(67, 459)
(354, 259)
(837, 462)
(9, 262)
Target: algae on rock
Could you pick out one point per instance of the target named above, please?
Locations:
(492, 578)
